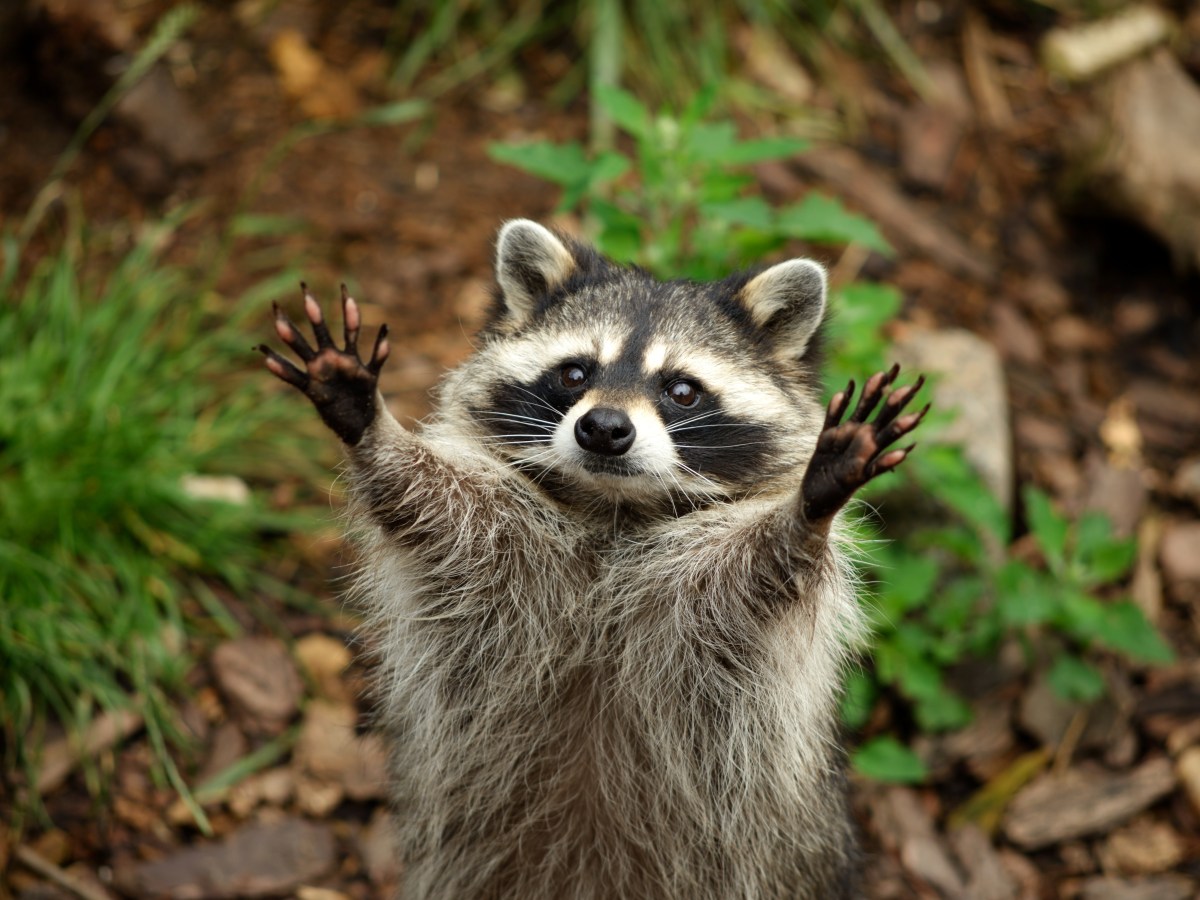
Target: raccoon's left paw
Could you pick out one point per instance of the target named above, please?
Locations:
(851, 453)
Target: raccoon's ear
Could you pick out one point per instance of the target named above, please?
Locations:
(788, 302)
(530, 262)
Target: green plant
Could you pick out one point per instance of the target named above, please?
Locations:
(116, 389)
(682, 205)
(948, 594)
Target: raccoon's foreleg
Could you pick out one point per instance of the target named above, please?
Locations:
(341, 386)
(851, 453)
(416, 495)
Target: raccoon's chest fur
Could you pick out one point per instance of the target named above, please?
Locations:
(613, 714)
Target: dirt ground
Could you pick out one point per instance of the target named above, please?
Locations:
(1089, 313)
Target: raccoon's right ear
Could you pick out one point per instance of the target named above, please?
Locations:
(530, 263)
(788, 302)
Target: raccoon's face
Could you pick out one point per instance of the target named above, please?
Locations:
(599, 379)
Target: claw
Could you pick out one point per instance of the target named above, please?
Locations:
(290, 335)
(312, 309)
(379, 353)
(837, 406)
(282, 369)
(352, 320)
(873, 393)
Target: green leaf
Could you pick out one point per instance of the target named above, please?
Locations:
(1073, 679)
(709, 142)
(908, 582)
(742, 153)
(886, 759)
(1081, 614)
(1025, 598)
(942, 710)
(946, 475)
(1048, 527)
(1125, 628)
(753, 212)
(620, 234)
(699, 106)
(826, 221)
(858, 699)
(608, 166)
(866, 304)
(624, 109)
(564, 164)
(1102, 557)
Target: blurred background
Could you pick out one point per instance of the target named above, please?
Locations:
(1007, 194)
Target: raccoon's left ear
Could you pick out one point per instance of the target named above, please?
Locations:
(788, 302)
(530, 262)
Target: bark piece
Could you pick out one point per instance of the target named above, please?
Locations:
(61, 757)
(987, 877)
(258, 677)
(1082, 801)
(902, 221)
(1162, 887)
(255, 861)
(330, 750)
(1138, 151)
(377, 847)
(908, 829)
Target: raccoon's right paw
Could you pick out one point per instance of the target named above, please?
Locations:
(851, 453)
(340, 385)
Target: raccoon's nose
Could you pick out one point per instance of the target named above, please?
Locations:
(605, 430)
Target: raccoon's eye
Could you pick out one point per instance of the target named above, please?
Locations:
(683, 393)
(572, 375)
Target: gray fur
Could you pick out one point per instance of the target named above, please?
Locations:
(619, 688)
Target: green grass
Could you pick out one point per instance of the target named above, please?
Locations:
(116, 383)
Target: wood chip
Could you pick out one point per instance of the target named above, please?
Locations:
(1144, 847)
(1083, 801)
(1188, 769)
(255, 861)
(1084, 51)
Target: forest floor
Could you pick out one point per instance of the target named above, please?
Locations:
(1091, 318)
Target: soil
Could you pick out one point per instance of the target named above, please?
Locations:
(1088, 313)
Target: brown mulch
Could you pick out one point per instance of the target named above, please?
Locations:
(1095, 327)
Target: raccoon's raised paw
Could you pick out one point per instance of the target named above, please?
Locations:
(851, 453)
(340, 385)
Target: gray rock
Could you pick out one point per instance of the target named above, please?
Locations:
(1179, 556)
(969, 380)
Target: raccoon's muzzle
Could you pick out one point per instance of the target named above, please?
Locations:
(605, 430)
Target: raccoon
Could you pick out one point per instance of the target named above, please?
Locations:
(608, 580)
